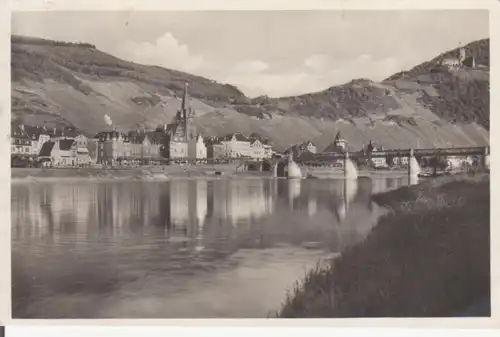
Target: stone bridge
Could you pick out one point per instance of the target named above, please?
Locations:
(279, 165)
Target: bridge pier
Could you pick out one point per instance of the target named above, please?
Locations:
(275, 170)
(350, 171)
(293, 169)
(413, 168)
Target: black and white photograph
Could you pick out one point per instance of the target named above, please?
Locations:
(250, 164)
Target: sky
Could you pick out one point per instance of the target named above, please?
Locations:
(274, 53)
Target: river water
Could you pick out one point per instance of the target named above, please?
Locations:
(181, 249)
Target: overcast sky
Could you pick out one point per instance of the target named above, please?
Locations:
(276, 53)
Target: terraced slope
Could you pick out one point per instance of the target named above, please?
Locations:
(59, 83)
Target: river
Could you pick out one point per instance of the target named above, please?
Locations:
(227, 248)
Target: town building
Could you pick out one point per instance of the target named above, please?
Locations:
(260, 147)
(182, 133)
(197, 150)
(63, 153)
(257, 150)
(117, 148)
(144, 146)
(298, 149)
(112, 147)
(21, 142)
(339, 144)
(215, 150)
(39, 135)
(236, 145)
(379, 162)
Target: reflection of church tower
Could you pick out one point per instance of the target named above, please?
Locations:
(197, 202)
(179, 199)
(201, 198)
(165, 208)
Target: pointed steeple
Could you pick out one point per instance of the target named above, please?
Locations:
(184, 104)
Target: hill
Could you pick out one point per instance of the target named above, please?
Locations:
(61, 83)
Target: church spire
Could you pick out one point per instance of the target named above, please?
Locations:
(184, 101)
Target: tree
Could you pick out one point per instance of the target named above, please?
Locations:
(438, 163)
(389, 159)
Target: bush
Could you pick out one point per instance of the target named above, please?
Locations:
(428, 257)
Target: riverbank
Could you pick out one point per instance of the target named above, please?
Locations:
(428, 257)
(155, 173)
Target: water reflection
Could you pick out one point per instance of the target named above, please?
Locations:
(413, 180)
(187, 248)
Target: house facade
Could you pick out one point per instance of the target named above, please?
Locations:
(236, 146)
(379, 162)
(268, 151)
(21, 143)
(117, 148)
(62, 153)
(215, 150)
(111, 145)
(197, 150)
(298, 149)
(38, 135)
(257, 150)
(143, 145)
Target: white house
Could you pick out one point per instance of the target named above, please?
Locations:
(197, 150)
(257, 150)
(178, 149)
(236, 145)
(268, 151)
(379, 162)
(61, 152)
(400, 160)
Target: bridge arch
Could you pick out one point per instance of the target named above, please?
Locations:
(267, 166)
(282, 169)
(253, 166)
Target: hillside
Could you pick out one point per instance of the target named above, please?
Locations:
(76, 84)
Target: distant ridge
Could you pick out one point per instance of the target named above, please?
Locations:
(61, 83)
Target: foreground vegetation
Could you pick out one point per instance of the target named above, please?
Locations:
(428, 257)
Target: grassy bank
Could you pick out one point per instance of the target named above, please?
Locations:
(428, 257)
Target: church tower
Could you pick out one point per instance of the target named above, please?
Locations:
(184, 103)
